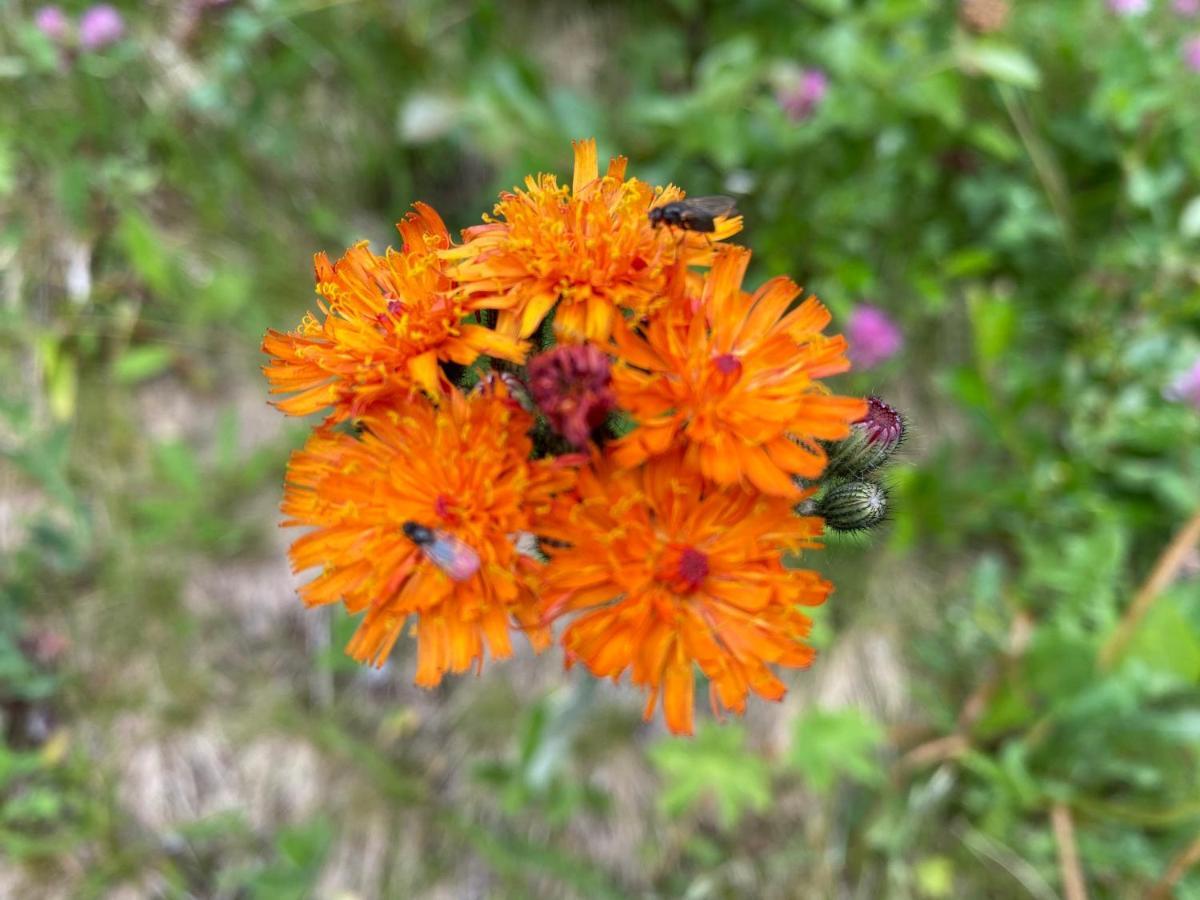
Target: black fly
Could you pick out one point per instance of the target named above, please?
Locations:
(695, 214)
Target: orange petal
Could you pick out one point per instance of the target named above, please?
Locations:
(626, 453)
(678, 689)
(770, 304)
(805, 461)
(423, 220)
(491, 343)
(764, 474)
(309, 401)
(432, 651)
(587, 166)
(806, 319)
(599, 319)
(424, 371)
(635, 350)
(764, 683)
(719, 461)
(535, 311)
(723, 300)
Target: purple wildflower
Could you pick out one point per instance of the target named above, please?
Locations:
(801, 98)
(52, 22)
(1186, 388)
(1129, 7)
(1187, 8)
(99, 26)
(1191, 53)
(873, 336)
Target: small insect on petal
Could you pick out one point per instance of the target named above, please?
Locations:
(452, 556)
(458, 560)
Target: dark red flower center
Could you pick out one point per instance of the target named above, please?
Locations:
(692, 568)
(682, 568)
(727, 364)
(443, 508)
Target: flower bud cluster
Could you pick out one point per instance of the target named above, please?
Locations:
(853, 499)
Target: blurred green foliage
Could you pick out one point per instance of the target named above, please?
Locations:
(1023, 202)
(713, 765)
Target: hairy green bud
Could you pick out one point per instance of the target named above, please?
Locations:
(872, 441)
(853, 506)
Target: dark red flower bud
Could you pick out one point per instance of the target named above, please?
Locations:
(872, 441)
(572, 386)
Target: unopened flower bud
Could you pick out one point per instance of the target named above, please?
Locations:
(572, 386)
(872, 441)
(853, 506)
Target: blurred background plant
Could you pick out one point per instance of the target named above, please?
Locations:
(999, 202)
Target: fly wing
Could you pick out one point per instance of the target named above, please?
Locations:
(714, 207)
(452, 556)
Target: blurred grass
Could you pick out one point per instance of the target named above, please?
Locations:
(1022, 202)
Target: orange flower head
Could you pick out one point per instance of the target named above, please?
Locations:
(420, 516)
(733, 378)
(387, 321)
(667, 570)
(591, 249)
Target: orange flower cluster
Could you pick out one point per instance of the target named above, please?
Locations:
(388, 321)
(632, 471)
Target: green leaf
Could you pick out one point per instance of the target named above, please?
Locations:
(1008, 708)
(995, 140)
(1189, 221)
(301, 845)
(939, 96)
(146, 253)
(301, 852)
(1166, 641)
(178, 465)
(142, 363)
(8, 166)
(74, 189)
(828, 7)
(935, 876)
(842, 743)
(968, 388)
(994, 323)
(1001, 62)
(60, 373)
(714, 765)
(969, 262)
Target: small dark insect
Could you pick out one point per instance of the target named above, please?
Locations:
(694, 214)
(444, 550)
